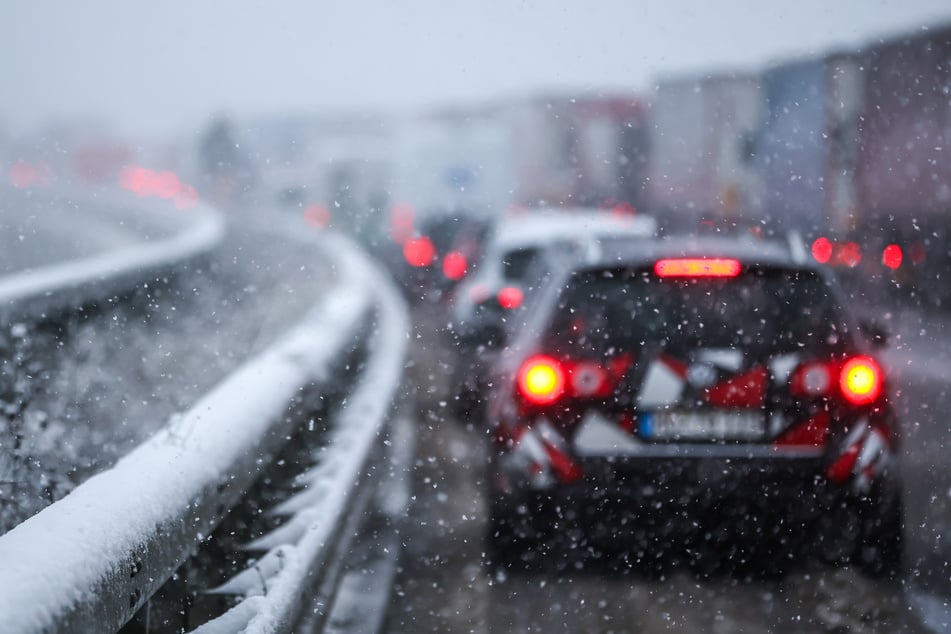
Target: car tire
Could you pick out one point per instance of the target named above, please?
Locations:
(881, 552)
(513, 542)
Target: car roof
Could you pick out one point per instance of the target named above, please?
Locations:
(545, 226)
(616, 252)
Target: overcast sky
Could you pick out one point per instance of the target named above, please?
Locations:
(156, 66)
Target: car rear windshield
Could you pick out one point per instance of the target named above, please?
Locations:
(763, 311)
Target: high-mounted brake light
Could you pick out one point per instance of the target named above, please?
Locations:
(697, 267)
(541, 380)
(861, 380)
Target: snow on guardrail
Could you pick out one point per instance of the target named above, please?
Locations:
(38, 291)
(89, 561)
(297, 550)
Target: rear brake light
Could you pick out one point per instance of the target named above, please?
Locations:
(511, 297)
(697, 267)
(541, 380)
(860, 380)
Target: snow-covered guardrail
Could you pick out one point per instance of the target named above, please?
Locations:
(301, 547)
(89, 561)
(39, 291)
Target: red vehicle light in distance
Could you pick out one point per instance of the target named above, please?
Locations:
(454, 265)
(861, 380)
(697, 267)
(541, 380)
(822, 250)
(419, 252)
(511, 297)
(892, 256)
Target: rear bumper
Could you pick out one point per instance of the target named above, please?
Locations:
(686, 496)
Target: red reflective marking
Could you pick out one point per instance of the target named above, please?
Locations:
(419, 251)
(454, 265)
(812, 433)
(317, 215)
(628, 422)
(892, 256)
(676, 366)
(511, 297)
(566, 469)
(745, 390)
(822, 250)
(841, 470)
(697, 267)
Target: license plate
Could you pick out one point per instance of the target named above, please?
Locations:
(709, 425)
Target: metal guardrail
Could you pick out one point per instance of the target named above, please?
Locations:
(300, 553)
(88, 562)
(37, 292)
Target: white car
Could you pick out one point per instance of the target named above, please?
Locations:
(522, 243)
(522, 254)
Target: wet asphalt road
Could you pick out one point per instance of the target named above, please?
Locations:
(444, 586)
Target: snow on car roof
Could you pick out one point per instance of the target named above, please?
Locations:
(551, 225)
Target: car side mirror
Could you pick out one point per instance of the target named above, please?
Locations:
(876, 333)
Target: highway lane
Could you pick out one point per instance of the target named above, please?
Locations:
(443, 585)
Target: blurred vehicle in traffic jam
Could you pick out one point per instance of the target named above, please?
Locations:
(849, 148)
(706, 398)
(523, 254)
(437, 253)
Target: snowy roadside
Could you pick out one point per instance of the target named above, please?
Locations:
(143, 243)
(298, 549)
(100, 552)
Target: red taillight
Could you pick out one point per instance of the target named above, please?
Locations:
(822, 250)
(892, 256)
(860, 380)
(419, 252)
(697, 267)
(541, 380)
(812, 379)
(511, 297)
(454, 265)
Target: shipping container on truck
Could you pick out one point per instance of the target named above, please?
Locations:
(904, 161)
(791, 148)
(587, 150)
(808, 143)
(702, 139)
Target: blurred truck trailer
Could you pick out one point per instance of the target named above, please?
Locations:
(904, 161)
(701, 139)
(579, 151)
